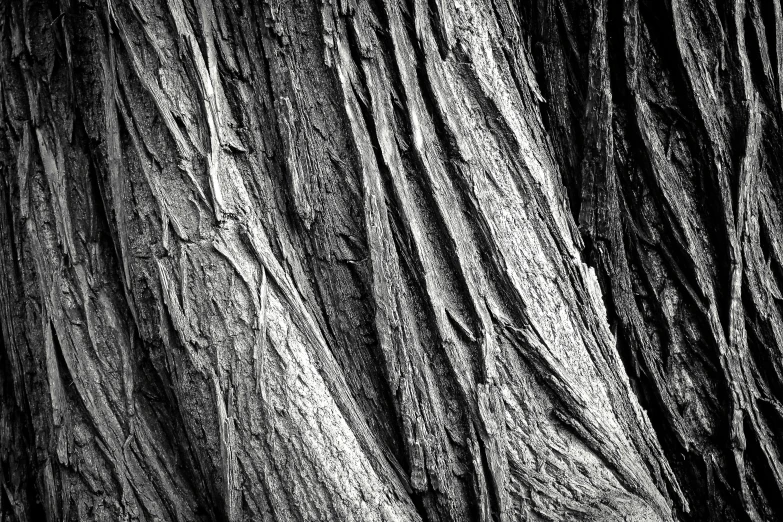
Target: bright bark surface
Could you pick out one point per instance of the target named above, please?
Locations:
(399, 260)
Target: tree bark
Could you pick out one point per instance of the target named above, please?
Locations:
(391, 260)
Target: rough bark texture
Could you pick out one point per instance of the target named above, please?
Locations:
(433, 260)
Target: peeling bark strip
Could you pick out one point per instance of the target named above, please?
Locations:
(391, 260)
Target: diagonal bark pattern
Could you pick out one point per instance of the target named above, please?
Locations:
(434, 260)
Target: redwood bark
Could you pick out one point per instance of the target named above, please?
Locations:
(404, 260)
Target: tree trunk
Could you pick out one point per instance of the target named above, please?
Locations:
(391, 260)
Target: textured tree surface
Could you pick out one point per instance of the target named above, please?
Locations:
(399, 260)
